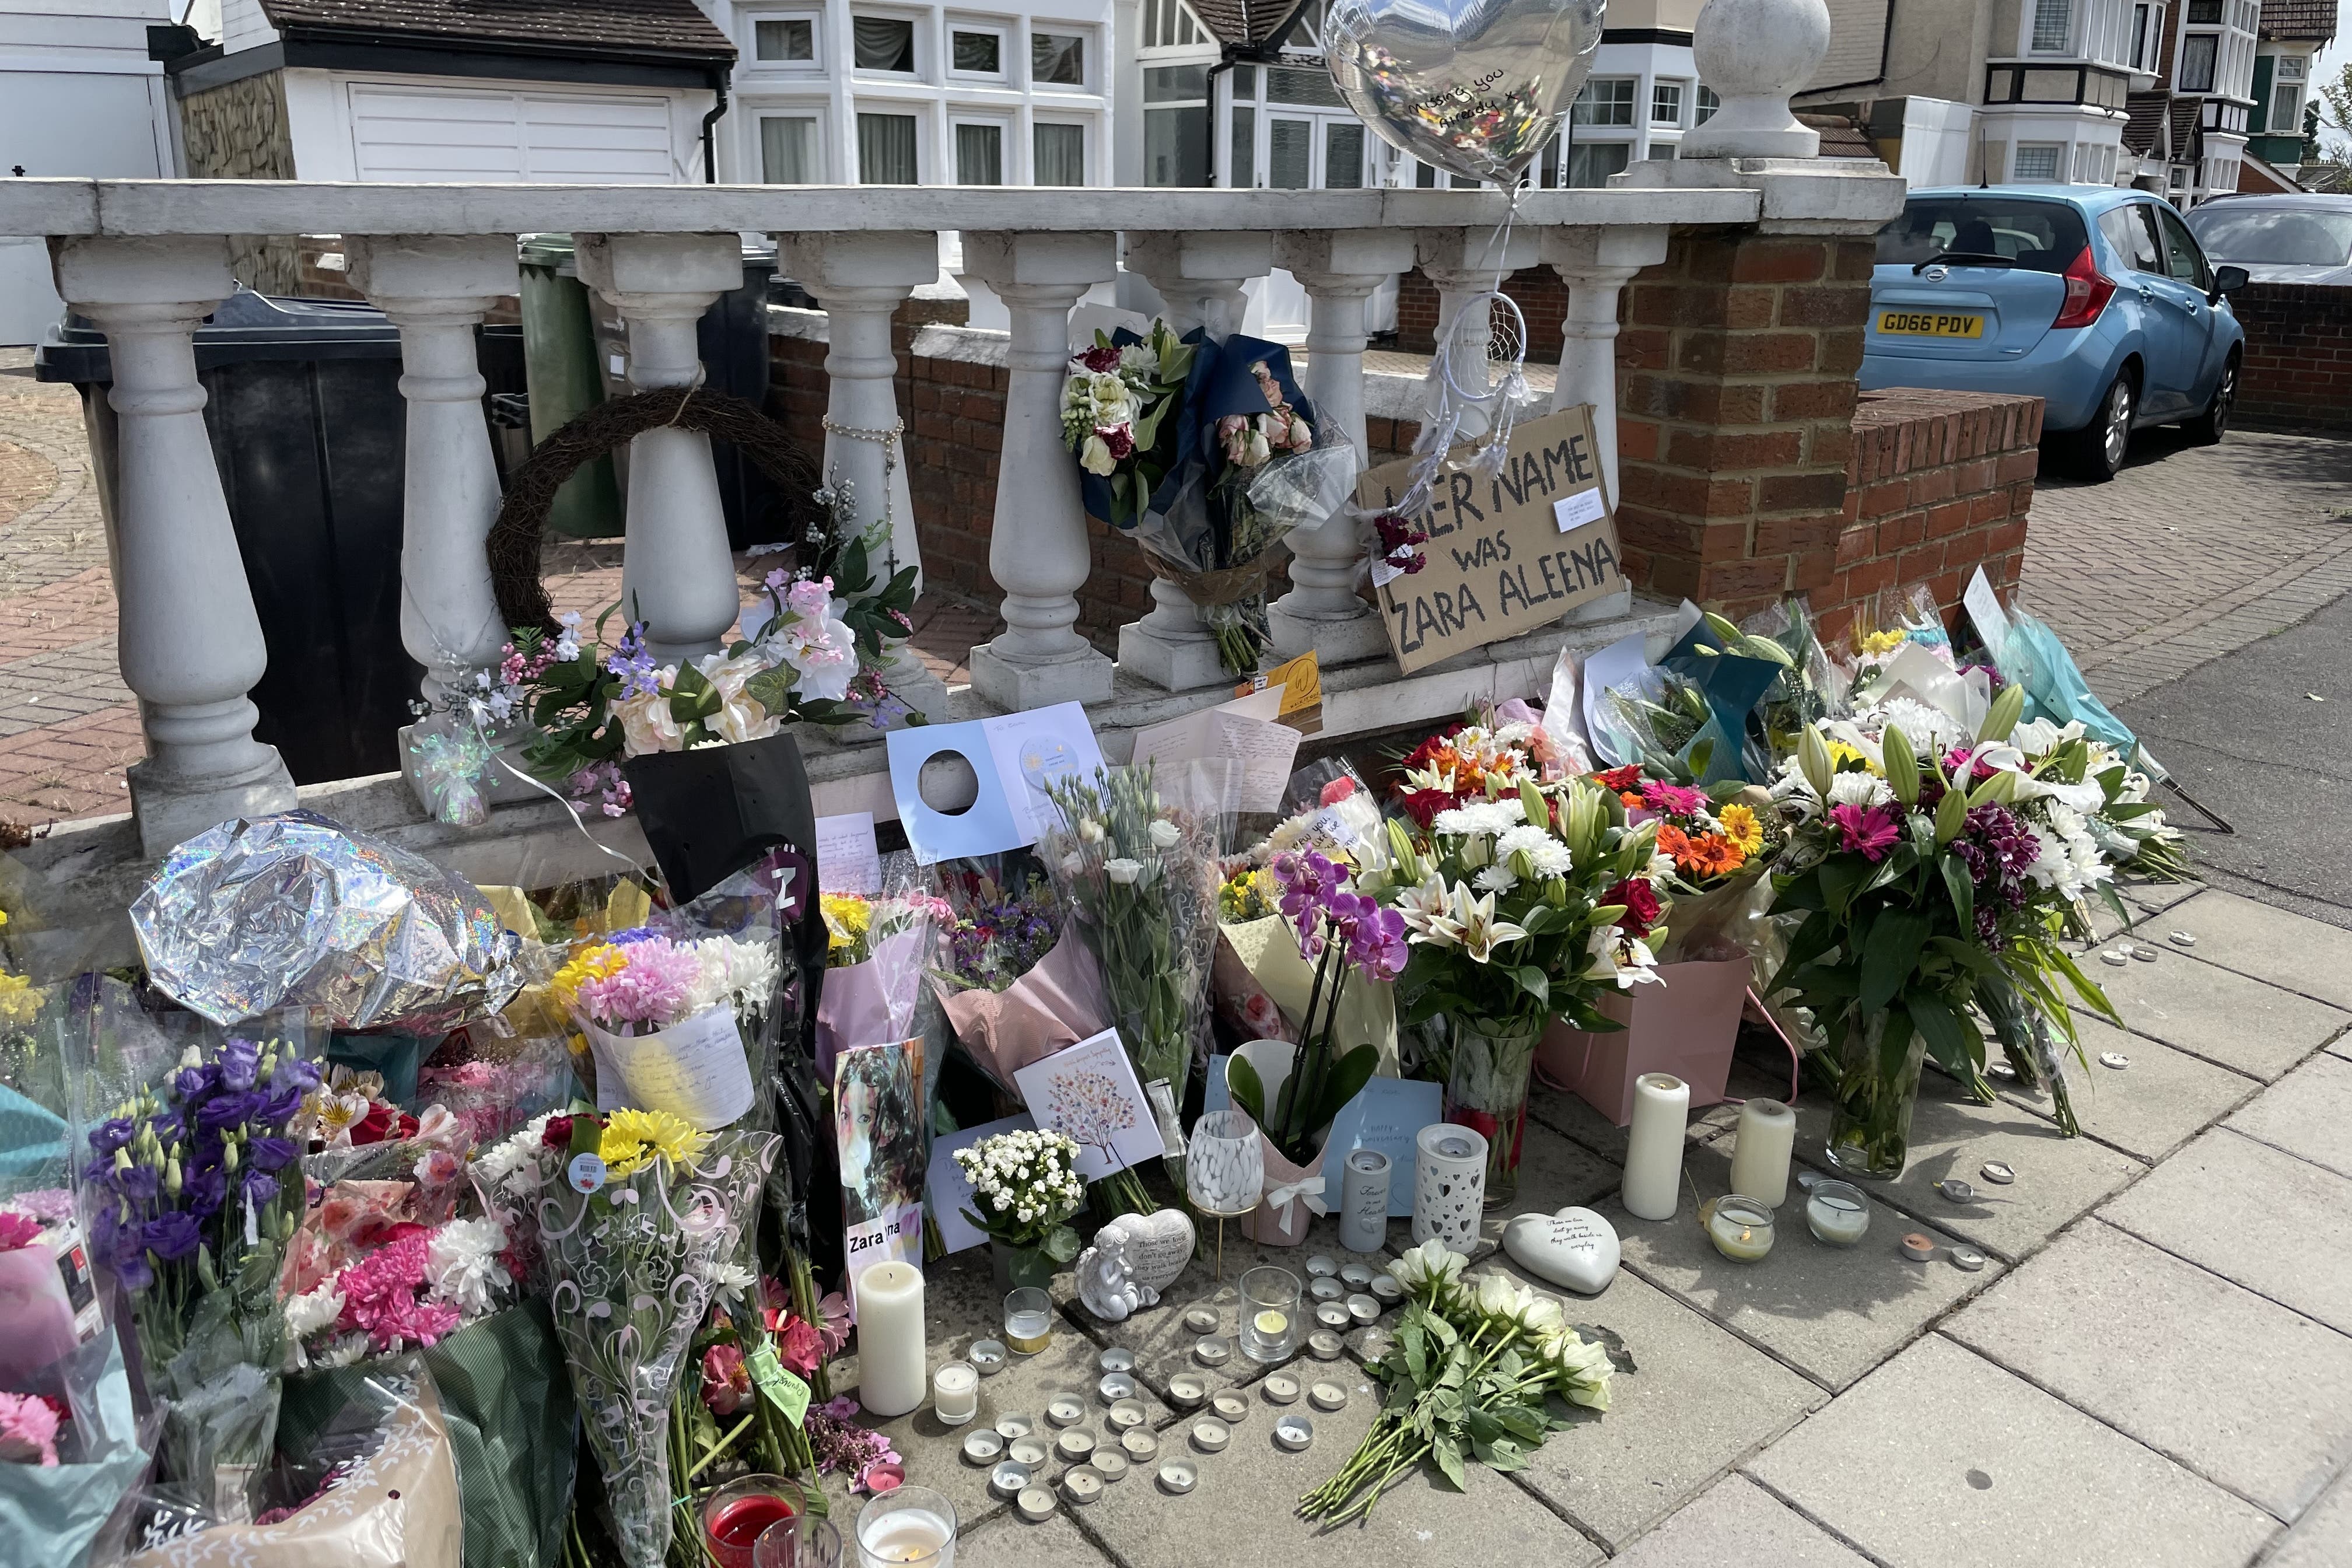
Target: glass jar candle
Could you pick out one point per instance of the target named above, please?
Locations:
(738, 1514)
(801, 1543)
(1269, 1313)
(1741, 1228)
(1028, 1320)
(908, 1525)
(955, 1393)
(1836, 1213)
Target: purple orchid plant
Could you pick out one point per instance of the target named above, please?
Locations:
(1340, 932)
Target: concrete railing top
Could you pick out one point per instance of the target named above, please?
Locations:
(127, 208)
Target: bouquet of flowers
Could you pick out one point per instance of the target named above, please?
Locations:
(1518, 907)
(1121, 407)
(856, 925)
(349, 1111)
(641, 1216)
(1014, 983)
(1719, 849)
(1140, 874)
(1926, 888)
(415, 1286)
(1472, 761)
(1026, 1187)
(1468, 1371)
(192, 1202)
(648, 1003)
(820, 655)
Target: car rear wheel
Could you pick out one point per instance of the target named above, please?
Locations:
(2096, 451)
(2208, 426)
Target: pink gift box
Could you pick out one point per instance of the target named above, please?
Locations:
(1686, 1025)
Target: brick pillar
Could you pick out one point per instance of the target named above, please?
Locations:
(1736, 363)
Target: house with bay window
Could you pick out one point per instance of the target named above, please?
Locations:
(846, 93)
(2188, 134)
(2292, 32)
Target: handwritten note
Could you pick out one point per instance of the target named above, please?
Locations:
(848, 859)
(696, 1069)
(1265, 751)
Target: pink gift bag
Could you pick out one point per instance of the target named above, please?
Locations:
(1686, 1025)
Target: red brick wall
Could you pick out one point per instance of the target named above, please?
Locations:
(2298, 364)
(1541, 297)
(1939, 484)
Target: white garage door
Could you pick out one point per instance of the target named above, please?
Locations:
(435, 134)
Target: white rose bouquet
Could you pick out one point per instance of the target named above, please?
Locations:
(1024, 1187)
(1118, 407)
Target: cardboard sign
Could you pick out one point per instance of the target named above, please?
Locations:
(1507, 555)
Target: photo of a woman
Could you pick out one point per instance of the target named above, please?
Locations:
(878, 1129)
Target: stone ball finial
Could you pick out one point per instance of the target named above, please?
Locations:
(1754, 54)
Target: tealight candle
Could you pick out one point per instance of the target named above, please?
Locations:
(1014, 1424)
(1065, 1410)
(1335, 1315)
(1211, 1436)
(1269, 1313)
(982, 1447)
(955, 1393)
(1117, 1357)
(1129, 1413)
(987, 1357)
(1355, 1276)
(1115, 1386)
(1007, 1479)
(1029, 1452)
(1139, 1443)
(1111, 1467)
(1741, 1228)
(1230, 1406)
(1076, 1444)
(1837, 1213)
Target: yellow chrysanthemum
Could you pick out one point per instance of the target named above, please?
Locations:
(1840, 755)
(1882, 642)
(847, 918)
(1739, 824)
(20, 999)
(634, 1139)
(600, 962)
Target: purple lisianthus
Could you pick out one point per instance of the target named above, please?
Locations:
(295, 1073)
(133, 1274)
(280, 1109)
(172, 1236)
(269, 1154)
(111, 1135)
(194, 1083)
(225, 1110)
(204, 1192)
(139, 1183)
(257, 1187)
(167, 1126)
(240, 1064)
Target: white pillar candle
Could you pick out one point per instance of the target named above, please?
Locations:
(1760, 1164)
(1653, 1153)
(890, 1338)
(955, 1393)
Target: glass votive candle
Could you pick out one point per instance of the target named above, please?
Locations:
(1028, 1320)
(738, 1514)
(1837, 1214)
(1269, 1313)
(955, 1393)
(802, 1543)
(1741, 1228)
(907, 1525)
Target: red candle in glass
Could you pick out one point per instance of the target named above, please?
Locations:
(736, 1525)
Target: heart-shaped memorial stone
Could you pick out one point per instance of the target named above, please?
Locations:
(1574, 1248)
(1159, 1244)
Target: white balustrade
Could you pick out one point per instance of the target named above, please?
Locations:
(1754, 54)
(1340, 270)
(189, 640)
(1463, 263)
(1039, 552)
(1199, 277)
(436, 290)
(861, 279)
(677, 574)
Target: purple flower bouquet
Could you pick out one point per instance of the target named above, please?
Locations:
(193, 1191)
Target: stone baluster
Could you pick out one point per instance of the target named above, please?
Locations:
(434, 288)
(1596, 264)
(1039, 552)
(1199, 277)
(190, 643)
(1462, 264)
(861, 279)
(677, 574)
(1754, 54)
(1340, 270)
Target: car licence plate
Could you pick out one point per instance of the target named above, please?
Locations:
(1928, 325)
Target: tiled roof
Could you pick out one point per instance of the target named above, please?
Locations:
(671, 27)
(2148, 110)
(1841, 137)
(2298, 19)
(1244, 24)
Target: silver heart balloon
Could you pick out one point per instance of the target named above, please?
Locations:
(1473, 87)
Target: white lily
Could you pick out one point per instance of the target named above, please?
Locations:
(1626, 961)
(1478, 929)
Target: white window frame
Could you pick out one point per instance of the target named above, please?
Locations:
(1091, 52)
(2029, 19)
(1008, 168)
(1635, 108)
(2214, 76)
(2057, 176)
(1090, 155)
(921, 36)
(923, 113)
(1681, 91)
(752, 64)
(818, 111)
(2279, 71)
(1002, 75)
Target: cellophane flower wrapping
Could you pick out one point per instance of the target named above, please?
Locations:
(1134, 858)
(633, 1266)
(191, 1192)
(1015, 979)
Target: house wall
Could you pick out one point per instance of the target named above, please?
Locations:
(240, 131)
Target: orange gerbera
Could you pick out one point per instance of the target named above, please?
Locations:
(1673, 841)
(1709, 855)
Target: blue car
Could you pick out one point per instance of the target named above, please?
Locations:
(2097, 299)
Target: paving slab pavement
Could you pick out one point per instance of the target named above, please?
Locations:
(2252, 1214)
(2322, 1537)
(2197, 1004)
(2146, 1110)
(2128, 1332)
(2307, 1113)
(1941, 1460)
(1739, 1521)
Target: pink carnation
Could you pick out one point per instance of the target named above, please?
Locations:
(1673, 800)
(17, 1230)
(651, 988)
(29, 1430)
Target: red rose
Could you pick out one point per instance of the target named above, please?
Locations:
(1641, 901)
(1102, 358)
(557, 1133)
(376, 1125)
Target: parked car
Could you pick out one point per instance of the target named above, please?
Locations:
(2305, 237)
(2097, 299)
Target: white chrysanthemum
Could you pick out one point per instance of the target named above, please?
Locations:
(1496, 878)
(313, 1310)
(1480, 817)
(345, 1351)
(1859, 789)
(1927, 728)
(461, 1264)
